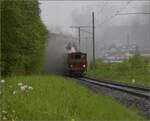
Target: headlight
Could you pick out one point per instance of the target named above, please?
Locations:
(83, 66)
(71, 66)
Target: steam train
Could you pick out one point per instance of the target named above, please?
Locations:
(76, 63)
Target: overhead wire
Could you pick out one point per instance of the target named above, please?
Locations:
(134, 13)
(116, 14)
(102, 8)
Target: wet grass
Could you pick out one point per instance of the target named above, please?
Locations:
(139, 79)
(56, 98)
(135, 71)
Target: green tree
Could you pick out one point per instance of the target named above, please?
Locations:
(23, 37)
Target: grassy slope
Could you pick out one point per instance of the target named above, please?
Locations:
(136, 68)
(53, 97)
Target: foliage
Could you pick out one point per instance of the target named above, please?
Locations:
(57, 98)
(23, 37)
(136, 68)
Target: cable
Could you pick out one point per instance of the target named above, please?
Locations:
(133, 13)
(101, 11)
(116, 14)
(86, 31)
(102, 8)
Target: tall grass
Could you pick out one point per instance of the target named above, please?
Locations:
(135, 70)
(56, 98)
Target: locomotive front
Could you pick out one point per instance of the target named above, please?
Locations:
(77, 63)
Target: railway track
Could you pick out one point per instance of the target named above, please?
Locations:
(134, 90)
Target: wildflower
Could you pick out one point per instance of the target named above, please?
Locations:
(25, 86)
(14, 92)
(72, 119)
(30, 88)
(4, 118)
(4, 112)
(13, 111)
(133, 80)
(2, 81)
(13, 120)
(20, 84)
(22, 88)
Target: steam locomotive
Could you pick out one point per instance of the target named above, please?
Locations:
(76, 63)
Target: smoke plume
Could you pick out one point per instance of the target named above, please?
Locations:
(57, 47)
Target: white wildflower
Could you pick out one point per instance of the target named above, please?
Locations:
(25, 86)
(30, 88)
(2, 81)
(13, 111)
(4, 118)
(4, 112)
(14, 92)
(20, 84)
(22, 88)
(133, 80)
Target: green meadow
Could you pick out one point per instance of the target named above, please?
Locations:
(56, 98)
(135, 71)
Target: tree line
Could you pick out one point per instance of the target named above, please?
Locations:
(23, 37)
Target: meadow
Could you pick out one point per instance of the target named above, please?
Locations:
(56, 98)
(134, 71)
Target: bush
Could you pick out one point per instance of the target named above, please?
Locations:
(23, 37)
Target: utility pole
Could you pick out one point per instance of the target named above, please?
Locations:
(128, 40)
(93, 28)
(93, 35)
(79, 32)
(86, 44)
(79, 37)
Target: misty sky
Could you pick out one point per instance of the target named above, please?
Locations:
(58, 15)
(110, 29)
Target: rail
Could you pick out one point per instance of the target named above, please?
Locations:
(134, 90)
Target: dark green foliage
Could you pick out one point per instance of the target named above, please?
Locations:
(23, 37)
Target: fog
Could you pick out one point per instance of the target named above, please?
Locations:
(110, 27)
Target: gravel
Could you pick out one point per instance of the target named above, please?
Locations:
(143, 105)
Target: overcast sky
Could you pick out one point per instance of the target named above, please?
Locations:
(57, 15)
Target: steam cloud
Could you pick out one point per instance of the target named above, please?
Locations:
(57, 48)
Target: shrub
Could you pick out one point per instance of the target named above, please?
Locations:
(23, 37)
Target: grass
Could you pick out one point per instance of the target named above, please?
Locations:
(136, 68)
(56, 98)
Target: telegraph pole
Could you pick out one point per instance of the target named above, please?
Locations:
(86, 45)
(79, 32)
(79, 37)
(93, 28)
(93, 35)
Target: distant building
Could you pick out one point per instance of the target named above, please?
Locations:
(115, 54)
